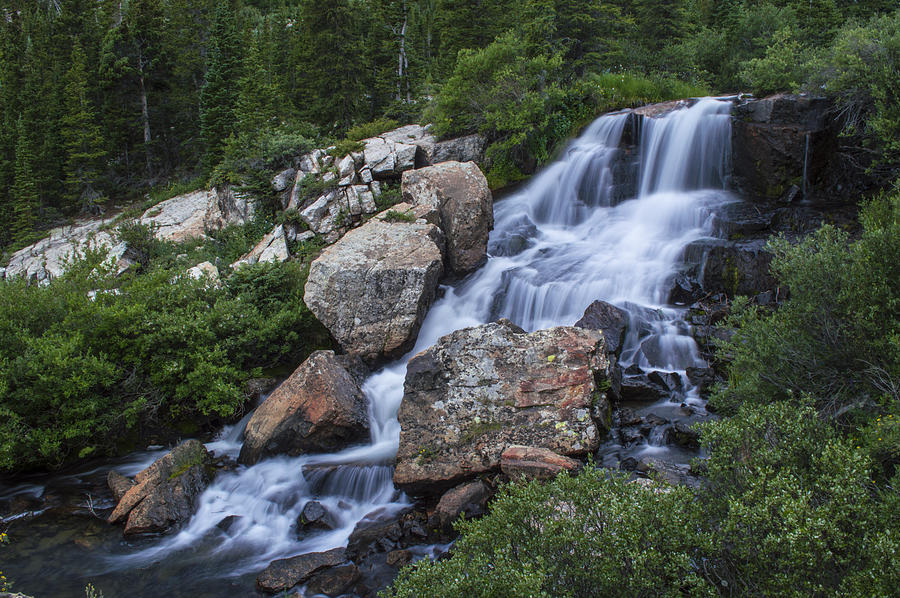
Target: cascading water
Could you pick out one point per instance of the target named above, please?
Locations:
(570, 237)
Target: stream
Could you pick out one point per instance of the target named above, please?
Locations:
(598, 223)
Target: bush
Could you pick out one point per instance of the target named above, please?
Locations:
(371, 129)
(838, 337)
(590, 535)
(91, 358)
(793, 509)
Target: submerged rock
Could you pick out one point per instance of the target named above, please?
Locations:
(482, 389)
(319, 408)
(163, 494)
(460, 195)
(374, 286)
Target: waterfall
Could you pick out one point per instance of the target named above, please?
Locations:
(570, 237)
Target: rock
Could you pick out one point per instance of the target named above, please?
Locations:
(374, 532)
(776, 141)
(608, 319)
(333, 581)
(191, 215)
(666, 471)
(271, 249)
(319, 408)
(683, 435)
(373, 287)
(702, 377)
(405, 157)
(322, 216)
(482, 389)
(636, 387)
(663, 108)
(467, 499)
(462, 149)
(284, 574)
(315, 517)
(668, 380)
(535, 463)
(283, 180)
(737, 268)
(460, 194)
(118, 484)
(380, 158)
(164, 493)
(399, 558)
(47, 259)
(204, 270)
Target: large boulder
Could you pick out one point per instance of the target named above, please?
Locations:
(374, 286)
(163, 494)
(319, 408)
(460, 194)
(480, 390)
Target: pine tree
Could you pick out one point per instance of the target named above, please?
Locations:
(24, 190)
(81, 135)
(332, 87)
(256, 107)
(219, 94)
(11, 57)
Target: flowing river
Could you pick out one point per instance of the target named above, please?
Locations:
(595, 224)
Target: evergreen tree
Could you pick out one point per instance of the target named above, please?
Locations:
(331, 86)
(24, 190)
(81, 135)
(11, 44)
(256, 107)
(219, 94)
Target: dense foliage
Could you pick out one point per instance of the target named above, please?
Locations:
(106, 99)
(91, 360)
(801, 480)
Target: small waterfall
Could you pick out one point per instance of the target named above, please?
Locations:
(558, 245)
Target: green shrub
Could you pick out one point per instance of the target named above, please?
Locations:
(395, 216)
(793, 509)
(590, 535)
(91, 358)
(344, 147)
(838, 337)
(371, 129)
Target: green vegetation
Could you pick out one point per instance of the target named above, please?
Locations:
(395, 216)
(801, 479)
(93, 360)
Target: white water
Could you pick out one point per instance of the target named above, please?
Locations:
(558, 245)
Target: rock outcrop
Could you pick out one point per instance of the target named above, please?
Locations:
(460, 195)
(191, 215)
(373, 287)
(480, 390)
(204, 270)
(272, 249)
(319, 408)
(163, 494)
(469, 148)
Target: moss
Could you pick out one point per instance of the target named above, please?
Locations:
(395, 216)
(480, 428)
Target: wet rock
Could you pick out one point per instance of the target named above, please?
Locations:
(373, 287)
(228, 522)
(685, 290)
(118, 484)
(683, 435)
(376, 532)
(655, 420)
(482, 389)
(737, 268)
(778, 140)
(668, 380)
(467, 500)
(284, 574)
(254, 388)
(701, 377)
(399, 558)
(314, 516)
(627, 417)
(529, 462)
(333, 581)
(608, 319)
(459, 193)
(163, 495)
(319, 408)
(636, 388)
(672, 473)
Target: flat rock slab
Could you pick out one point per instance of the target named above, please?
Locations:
(373, 287)
(482, 389)
(284, 574)
(529, 462)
